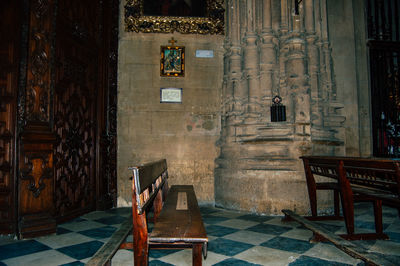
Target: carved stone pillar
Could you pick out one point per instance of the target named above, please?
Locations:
(297, 82)
(251, 72)
(284, 25)
(268, 54)
(251, 60)
(280, 53)
(327, 129)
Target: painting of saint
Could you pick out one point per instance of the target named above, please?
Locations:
(172, 61)
(178, 8)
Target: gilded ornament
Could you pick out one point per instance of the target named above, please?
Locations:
(212, 23)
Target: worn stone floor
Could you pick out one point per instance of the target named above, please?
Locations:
(236, 238)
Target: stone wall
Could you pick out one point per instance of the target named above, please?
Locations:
(183, 133)
(347, 34)
(221, 138)
(342, 40)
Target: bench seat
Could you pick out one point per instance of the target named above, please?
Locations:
(177, 219)
(179, 225)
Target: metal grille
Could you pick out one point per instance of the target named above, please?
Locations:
(384, 55)
(383, 20)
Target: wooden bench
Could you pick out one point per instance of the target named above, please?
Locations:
(355, 179)
(177, 218)
(327, 167)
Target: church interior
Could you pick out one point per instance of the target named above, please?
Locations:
(232, 93)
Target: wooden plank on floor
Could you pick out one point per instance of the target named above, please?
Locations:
(345, 245)
(104, 255)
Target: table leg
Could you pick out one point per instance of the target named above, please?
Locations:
(196, 253)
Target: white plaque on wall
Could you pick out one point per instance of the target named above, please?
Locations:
(171, 95)
(205, 53)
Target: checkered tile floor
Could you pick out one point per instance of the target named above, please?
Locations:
(235, 239)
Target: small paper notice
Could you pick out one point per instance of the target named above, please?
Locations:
(171, 95)
(205, 53)
(181, 203)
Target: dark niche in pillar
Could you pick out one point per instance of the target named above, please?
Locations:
(278, 110)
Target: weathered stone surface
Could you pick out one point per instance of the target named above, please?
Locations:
(262, 191)
(183, 133)
(221, 138)
(259, 167)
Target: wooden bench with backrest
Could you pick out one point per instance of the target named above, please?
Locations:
(355, 179)
(177, 220)
(326, 167)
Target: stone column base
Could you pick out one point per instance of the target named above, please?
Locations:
(265, 192)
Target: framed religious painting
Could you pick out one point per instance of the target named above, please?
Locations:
(168, 16)
(172, 62)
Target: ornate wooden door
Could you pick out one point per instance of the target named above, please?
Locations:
(9, 70)
(58, 63)
(79, 90)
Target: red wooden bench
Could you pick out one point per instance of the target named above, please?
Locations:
(354, 179)
(326, 167)
(177, 220)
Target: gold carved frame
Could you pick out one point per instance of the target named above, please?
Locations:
(212, 23)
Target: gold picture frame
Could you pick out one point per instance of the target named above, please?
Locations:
(172, 62)
(211, 23)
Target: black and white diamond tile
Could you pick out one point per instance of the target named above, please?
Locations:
(249, 237)
(235, 238)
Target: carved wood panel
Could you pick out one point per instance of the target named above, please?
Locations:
(75, 150)
(58, 93)
(36, 204)
(37, 105)
(75, 107)
(9, 62)
(107, 185)
(35, 142)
